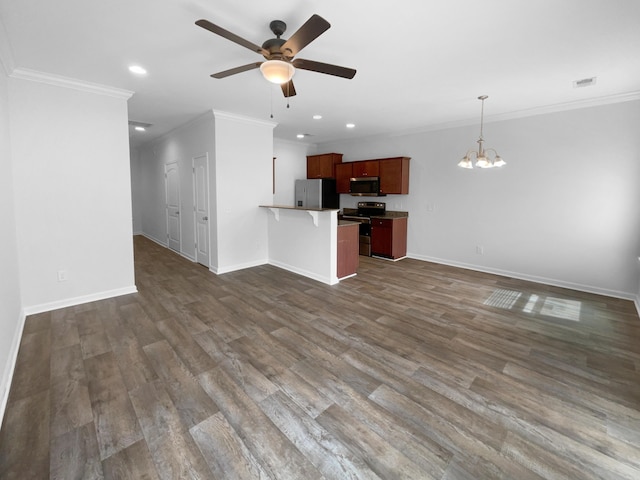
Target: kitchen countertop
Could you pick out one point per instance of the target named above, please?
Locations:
(390, 214)
(291, 207)
(344, 223)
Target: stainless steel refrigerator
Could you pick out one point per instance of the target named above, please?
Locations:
(317, 193)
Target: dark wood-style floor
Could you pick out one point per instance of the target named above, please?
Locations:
(409, 370)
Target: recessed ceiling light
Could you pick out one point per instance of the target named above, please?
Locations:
(140, 129)
(351, 125)
(317, 117)
(137, 69)
(300, 135)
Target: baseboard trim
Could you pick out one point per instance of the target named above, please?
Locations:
(7, 376)
(70, 302)
(154, 240)
(531, 278)
(314, 276)
(165, 245)
(238, 266)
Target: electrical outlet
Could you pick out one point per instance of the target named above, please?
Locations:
(479, 249)
(62, 275)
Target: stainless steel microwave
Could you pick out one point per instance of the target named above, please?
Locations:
(365, 186)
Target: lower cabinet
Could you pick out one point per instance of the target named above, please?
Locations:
(348, 249)
(389, 237)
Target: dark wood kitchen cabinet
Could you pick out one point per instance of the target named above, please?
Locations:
(323, 166)
(389, 237)
(348, 249)
(344, 172)
(394, 175)
(366, 168)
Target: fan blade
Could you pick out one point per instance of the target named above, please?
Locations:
(207, 25)
(288, 89)
(327, 68)
(233, 71)
(307, 33)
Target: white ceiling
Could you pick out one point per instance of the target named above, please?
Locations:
(420, 63)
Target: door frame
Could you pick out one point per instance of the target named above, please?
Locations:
(195, 206)
(167, 167)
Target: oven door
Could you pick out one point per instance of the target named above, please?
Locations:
(364, 230)
(365, 238)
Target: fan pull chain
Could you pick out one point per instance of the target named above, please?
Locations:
(271, 100)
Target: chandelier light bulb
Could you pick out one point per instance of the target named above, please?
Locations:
(465, 163)
(482, 162)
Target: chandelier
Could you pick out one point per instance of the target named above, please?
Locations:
(481, 157)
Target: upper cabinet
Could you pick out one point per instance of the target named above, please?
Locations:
(393, 172)
(323, 166)
(344, 172)
(366, 168)
(394, 175)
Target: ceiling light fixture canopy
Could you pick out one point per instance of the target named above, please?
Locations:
(277, 71)
(481, 157)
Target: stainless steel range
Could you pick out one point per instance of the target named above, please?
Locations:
(363, 215)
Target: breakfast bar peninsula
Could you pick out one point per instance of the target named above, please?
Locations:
(312, 242)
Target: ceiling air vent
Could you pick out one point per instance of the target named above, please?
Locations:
(585, 82)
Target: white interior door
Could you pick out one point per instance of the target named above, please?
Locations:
(172, 190)
(201, 207)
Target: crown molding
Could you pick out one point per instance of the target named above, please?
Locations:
(66, 82)
(562, 107)
(6, 54)
(241, 118)
(530, 112)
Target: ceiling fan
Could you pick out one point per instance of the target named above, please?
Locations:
(280, 65)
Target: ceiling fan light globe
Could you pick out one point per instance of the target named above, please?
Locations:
(277, 71)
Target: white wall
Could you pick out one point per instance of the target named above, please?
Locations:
(11, 316)
(70, 153)
(136, 194)
(181, 145)
(243, 170)
(565, 210)
(291, 164)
